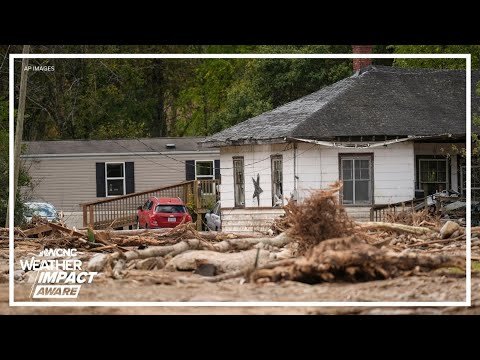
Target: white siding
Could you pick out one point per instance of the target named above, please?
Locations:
(317, 167)
(393, 166)
(68, 181)
(256, 161)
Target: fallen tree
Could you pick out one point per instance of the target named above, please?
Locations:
(98, 262)
(351, 259)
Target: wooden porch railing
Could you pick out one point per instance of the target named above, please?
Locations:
(121, 211)
(378, 212)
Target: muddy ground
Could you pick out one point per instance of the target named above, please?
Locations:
(160, 285)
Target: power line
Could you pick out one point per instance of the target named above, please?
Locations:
(221, 168)
(150, 160)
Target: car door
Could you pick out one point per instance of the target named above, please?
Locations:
(215, 218)
(141, 213)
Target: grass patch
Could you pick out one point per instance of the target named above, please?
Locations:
(475, 266)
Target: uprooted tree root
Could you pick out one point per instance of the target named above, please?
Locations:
(351, 259)
(317, 218)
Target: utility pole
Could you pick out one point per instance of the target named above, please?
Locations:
(19, 125)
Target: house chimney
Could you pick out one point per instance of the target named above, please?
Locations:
(361, 63)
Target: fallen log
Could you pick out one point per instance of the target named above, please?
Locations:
(223, 262)
(349, 259)
(441, 241)
(416, 230)
(133, 232)
(197, 244)
(240, 273)
(246, 243)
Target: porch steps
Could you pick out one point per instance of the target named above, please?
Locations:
(249, 220)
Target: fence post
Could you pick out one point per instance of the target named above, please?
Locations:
(90, 216)
(197, 196)
(84, 207)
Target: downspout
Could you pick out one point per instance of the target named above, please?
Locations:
(295, 144)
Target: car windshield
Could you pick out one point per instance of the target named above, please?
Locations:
(170, 209)
(43, 210)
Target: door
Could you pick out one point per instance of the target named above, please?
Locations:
(143, 214)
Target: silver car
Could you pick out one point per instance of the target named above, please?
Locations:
(41, 209)
(213, 218)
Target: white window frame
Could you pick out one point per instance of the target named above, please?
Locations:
(368, 157)
(114, 178)
(447, 173)
(235, 184)
(273, 159)
(205, 177)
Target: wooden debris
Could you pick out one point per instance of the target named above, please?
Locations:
(350, 259)
(417, 230)
(37, 230)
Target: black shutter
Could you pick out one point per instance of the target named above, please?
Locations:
(100, 174)
(217, 169)
(129, 178)
(190, 170)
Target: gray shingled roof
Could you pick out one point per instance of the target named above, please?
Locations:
(377, 101)
(112, 146)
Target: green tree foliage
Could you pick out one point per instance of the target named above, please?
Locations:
(474, 50)
(24, 179)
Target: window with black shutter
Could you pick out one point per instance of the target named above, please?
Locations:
(100, 177)
(129, 178)
(217, 169)
(190, 170)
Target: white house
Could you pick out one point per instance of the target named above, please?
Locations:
(389, 134)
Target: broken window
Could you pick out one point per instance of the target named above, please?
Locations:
(355, 172)
(239, 181)
(277, 180)
(433, 175)
(115, 179)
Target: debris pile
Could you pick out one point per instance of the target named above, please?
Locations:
(316, 242)
(352, 259)
(318, 218)
(422, 217)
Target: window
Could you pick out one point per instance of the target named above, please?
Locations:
(216, 209)
(115, 178)
(171, 209)
(277, 180)
(433, 175)
(148, 205)
(204, 170)
(475, 182)
(356, 174)
(239, 181)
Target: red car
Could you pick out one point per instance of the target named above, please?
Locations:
(162, 213)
